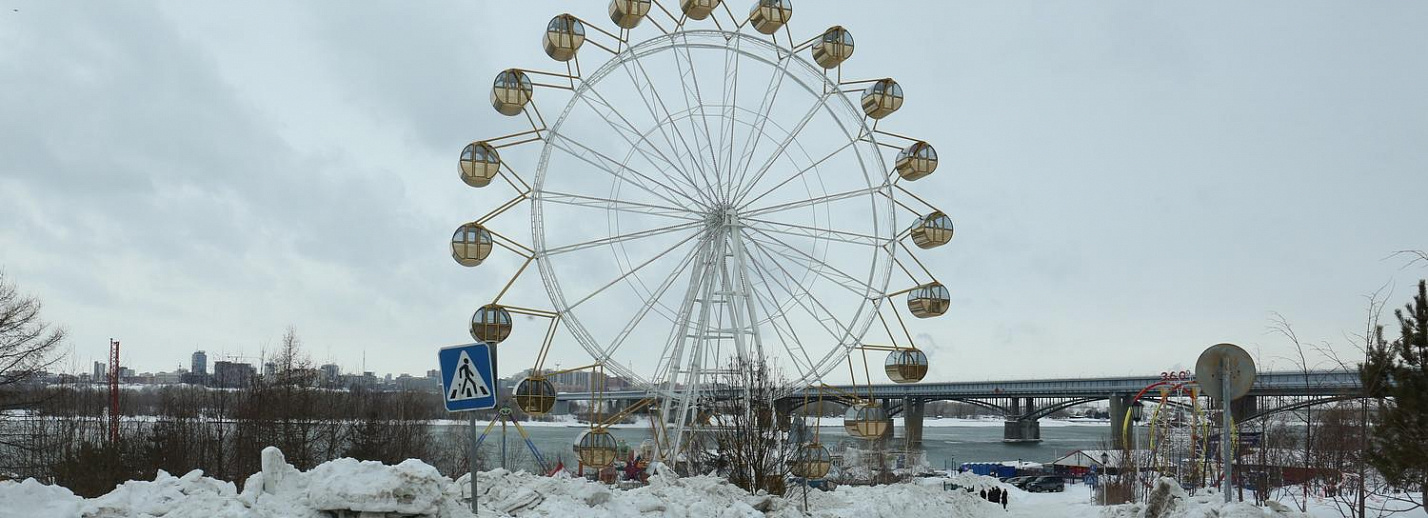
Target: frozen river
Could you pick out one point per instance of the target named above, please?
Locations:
(946, 441)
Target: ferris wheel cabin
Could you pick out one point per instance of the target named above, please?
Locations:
(932, 230)
(866, 421)
(535, 395)
(768, 16)
(833, 47)
(929, 300)
(916, 161)
(812, 461)
(491, 324)
(596, 448)
(628, 13)
(563, 36)
(479, 164)
(698, 9)
(511, 91)
(471, 244)
(882, 98)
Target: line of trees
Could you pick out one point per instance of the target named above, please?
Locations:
(61, 434)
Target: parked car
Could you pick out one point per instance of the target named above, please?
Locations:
(1045, 485)
(1018, 481)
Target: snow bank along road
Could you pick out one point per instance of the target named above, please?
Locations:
(346, 487)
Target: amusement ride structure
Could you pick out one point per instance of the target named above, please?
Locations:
(713, 196)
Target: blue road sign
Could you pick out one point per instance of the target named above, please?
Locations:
(467, 379)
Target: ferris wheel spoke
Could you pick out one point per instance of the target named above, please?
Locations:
(653, 300)
(783, 340)
(751, 144)
(621, 238)
(818, 233)
(600, 160)
(705, 144)
(627, 131)
(768, 276)
(729, 101)
(633, 270)
(746, 186)
(798, 174)
(841, 327)
(577, 200)
(829, 198)
(843, 279)
(648, 88)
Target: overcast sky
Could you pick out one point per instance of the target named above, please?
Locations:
(1131, 181)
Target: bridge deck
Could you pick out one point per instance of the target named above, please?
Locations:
(1314, 383)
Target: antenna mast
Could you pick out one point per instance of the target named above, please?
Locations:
(113, 391)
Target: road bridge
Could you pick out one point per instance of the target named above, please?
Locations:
(1023, 402)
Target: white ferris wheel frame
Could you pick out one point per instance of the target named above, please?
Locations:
(872, 287)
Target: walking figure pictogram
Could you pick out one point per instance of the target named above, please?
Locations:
(468, 385)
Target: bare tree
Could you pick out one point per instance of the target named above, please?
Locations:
(1282, 326)
(1414, 256)
(753, 447)
(27, 343)
(1350, 429)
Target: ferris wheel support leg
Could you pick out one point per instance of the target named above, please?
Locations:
(693, 384)
(679, 338)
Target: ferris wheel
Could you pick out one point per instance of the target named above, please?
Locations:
(712, 194)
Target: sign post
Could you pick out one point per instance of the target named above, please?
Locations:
(1226, 372)
(468, 382)
(471, 459)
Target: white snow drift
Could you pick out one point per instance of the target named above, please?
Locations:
(348, 487)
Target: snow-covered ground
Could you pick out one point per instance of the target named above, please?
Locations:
(416, 489)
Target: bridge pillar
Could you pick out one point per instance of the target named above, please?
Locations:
(887, 408)
(783, 410)
(1120, 408)
(1021, 430)
(1244, 407)
(912, 413)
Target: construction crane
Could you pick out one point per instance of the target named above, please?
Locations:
(113, 391)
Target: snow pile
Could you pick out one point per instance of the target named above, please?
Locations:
(411, 487)
(1168, 500)
(524, 494)
(279, 491)
(189, 496)
(348, 487)
(31, 498)
(922, 497)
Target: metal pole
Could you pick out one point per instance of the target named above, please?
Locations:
(472, 461)
(503, 442)
(1226, 458)
(805, 495)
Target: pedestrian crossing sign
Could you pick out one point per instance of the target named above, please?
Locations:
(467, 377)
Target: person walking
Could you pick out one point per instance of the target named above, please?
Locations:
(1004, 499)
(984, 493)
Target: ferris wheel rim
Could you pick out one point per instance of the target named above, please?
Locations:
(880, 271)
